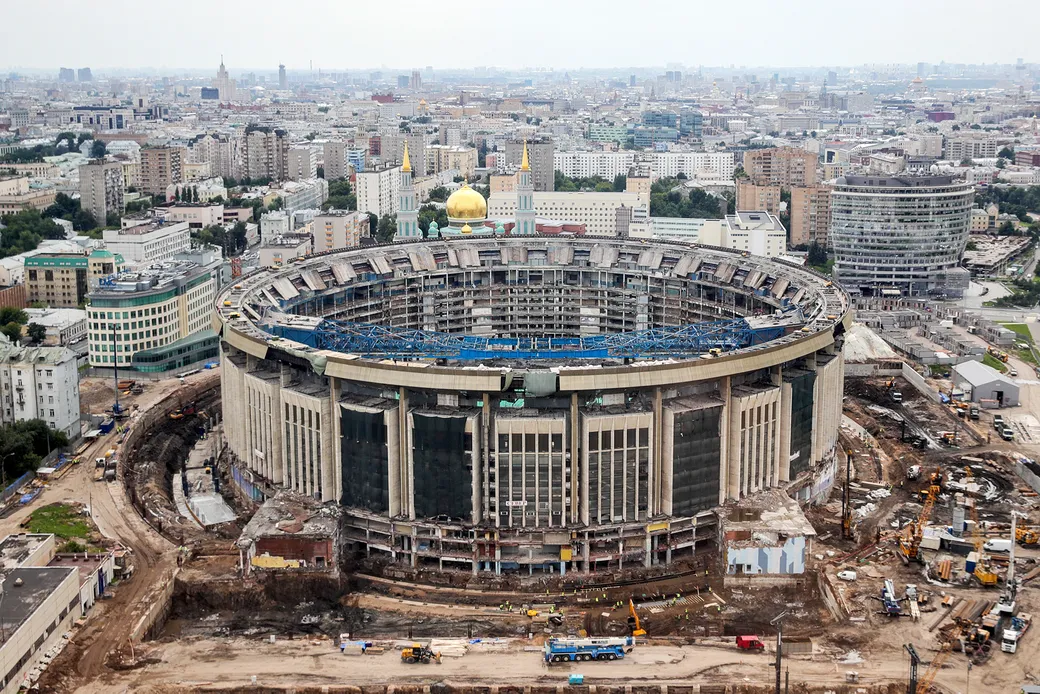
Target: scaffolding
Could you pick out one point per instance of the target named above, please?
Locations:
(386, 342)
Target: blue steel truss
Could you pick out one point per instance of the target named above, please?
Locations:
(379, 341)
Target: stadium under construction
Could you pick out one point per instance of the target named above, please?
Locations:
(532, 403)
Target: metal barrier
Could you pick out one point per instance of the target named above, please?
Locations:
(16, 485)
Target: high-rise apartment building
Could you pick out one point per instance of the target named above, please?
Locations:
(377, 191)
(781, 166)
(221, 151)
(336, 163)
(266, 154)
(758, 197)
(302, 164)
(810, 215)
(84, 75)
(101, 188)
(162, 167)
(444, 157)
(335, 229)
(283, 80)
(902, 234)
(540, 155)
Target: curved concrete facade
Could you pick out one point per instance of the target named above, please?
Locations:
(532, 464)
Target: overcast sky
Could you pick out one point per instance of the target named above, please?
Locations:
(358, 34)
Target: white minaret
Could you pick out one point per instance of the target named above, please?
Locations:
(524, 198)
(407, 212)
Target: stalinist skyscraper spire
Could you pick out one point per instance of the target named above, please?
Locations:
(524, 198)
(407, 212)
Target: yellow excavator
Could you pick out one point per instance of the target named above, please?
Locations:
(633, 621)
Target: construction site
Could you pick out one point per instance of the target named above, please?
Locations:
(899, 555)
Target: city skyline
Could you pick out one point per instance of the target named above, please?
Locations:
(538, 34)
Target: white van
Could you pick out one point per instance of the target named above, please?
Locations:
(997, 545)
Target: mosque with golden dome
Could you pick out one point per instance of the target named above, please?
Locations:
(467, 209)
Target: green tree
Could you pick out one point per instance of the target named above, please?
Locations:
(276, 204)
(98, 149)
(438, 194)
(340, 196)
(817, 255)
(24, 230)
(386, 229)
(667, 200)
(373, 225)
(620, 183)
(1007, 153)
(24, 444)
(13, 331)
(9, 314)
(321, 172)
(431, 213)
(36, 332)
(112, 219)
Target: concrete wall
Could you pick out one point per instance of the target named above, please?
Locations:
(917, 381)
(786, 559)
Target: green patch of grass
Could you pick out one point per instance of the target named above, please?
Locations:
(1020, 329)
(1026, 355)
(991, 361)
(60, 520)
(937, 370)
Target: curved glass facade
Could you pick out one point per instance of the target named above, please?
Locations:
(906, 233)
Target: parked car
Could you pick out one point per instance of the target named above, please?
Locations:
(847, 575)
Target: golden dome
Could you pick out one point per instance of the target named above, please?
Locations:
(466, 203)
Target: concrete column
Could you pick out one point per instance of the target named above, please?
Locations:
(655, 491)
(485, 458)
(577, 501)
(724, 442)
(408, 474)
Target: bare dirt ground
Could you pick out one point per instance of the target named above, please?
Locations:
(199, 664)
(108, 626)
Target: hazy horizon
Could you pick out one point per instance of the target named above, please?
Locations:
(256, 36)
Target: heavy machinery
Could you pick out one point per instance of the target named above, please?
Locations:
(910, 540)
(998, 355)
(924, 685)
(982, 571)
(1026, 536)
(417, 653)
(634, 625)
(571, 650)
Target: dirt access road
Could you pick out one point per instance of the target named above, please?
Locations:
(198, 665)
(108, 626)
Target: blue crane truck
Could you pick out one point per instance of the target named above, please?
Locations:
(571, 650)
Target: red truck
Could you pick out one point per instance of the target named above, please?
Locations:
(750, 643)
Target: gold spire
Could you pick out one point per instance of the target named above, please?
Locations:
(525, 165)
(406, 165)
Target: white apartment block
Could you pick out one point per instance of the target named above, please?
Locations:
(597, 211)
(272, 224)
(968, 147)
(694, 165)
(147, 243)
(40, 383)
(757, 233)
(377, 191)
(609, 165)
